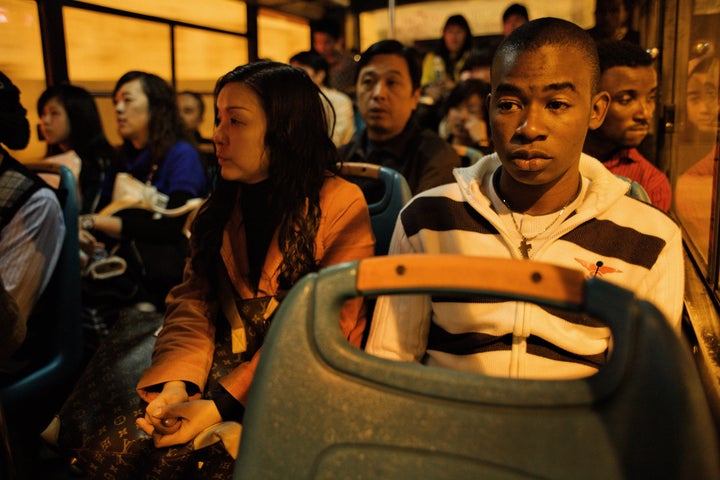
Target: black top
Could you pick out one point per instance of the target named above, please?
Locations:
(260, 224)
(420, 155)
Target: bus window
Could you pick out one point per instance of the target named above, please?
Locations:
(420, 21)
(281, 36)
(196, 70)
(696, 160)
(220, 14)
(103, 44)
(119, 44)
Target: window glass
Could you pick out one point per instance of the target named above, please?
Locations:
(696, 158)
(281, 36)
(425, 20)
(197, 70)
(97, 58)
(19, 27)
(223, 14)
(102, 47)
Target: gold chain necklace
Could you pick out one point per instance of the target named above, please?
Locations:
(525, 244)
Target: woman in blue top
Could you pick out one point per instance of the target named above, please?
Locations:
(155, 151)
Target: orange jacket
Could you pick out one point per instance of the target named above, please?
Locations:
(184, 349)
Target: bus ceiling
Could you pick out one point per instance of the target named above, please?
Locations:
(315, 9)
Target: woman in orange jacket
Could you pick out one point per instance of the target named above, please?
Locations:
(279, 212)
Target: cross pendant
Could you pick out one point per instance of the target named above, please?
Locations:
(525, 248)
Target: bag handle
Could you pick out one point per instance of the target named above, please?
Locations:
(232, 314)
(117, 205)
(229, 309)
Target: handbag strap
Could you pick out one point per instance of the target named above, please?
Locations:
(229, 309)
(117, 205)
(231, 312)
(189, 206)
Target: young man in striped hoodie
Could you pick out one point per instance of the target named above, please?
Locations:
(538, 197)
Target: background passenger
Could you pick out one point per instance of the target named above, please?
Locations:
(192, 112)
(69, 121)
(329, 41)
(388, 89)
(702, 102)
(465, 119)
(612, 22)
(31, 227)
(155, 152)
(441, 68)
(695, 187)
(476, 67)
(628, 75)
(340, 111)
(278, 213)
(537, 198)
(514, 16)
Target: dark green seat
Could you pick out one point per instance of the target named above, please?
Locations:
(322, 409)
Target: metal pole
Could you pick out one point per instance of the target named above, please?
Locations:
(391, 18)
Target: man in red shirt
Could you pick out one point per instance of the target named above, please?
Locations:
(628, 75)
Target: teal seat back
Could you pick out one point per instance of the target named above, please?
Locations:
(636, 190)
(321, 409)
(57, 314)
(469, 155)
(383, 212)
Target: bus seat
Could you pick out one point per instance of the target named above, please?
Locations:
(383, 211)
(322, 409)
(473, 155)
(36, 396)
(635, 190)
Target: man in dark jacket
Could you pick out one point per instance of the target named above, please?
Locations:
(388, 90)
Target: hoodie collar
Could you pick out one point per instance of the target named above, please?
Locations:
(604, 187)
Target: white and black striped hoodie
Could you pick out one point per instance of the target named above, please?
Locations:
(603, 232)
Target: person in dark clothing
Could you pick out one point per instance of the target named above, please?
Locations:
(465, 120)
(612, 22)
(69, 121)
(388, 89)
(328, 40)
(31, 222)
(514, 16)
(156, 152)
(192, 112)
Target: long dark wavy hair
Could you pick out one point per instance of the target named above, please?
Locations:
(301, 156)
(87, 138)
(165, 126)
